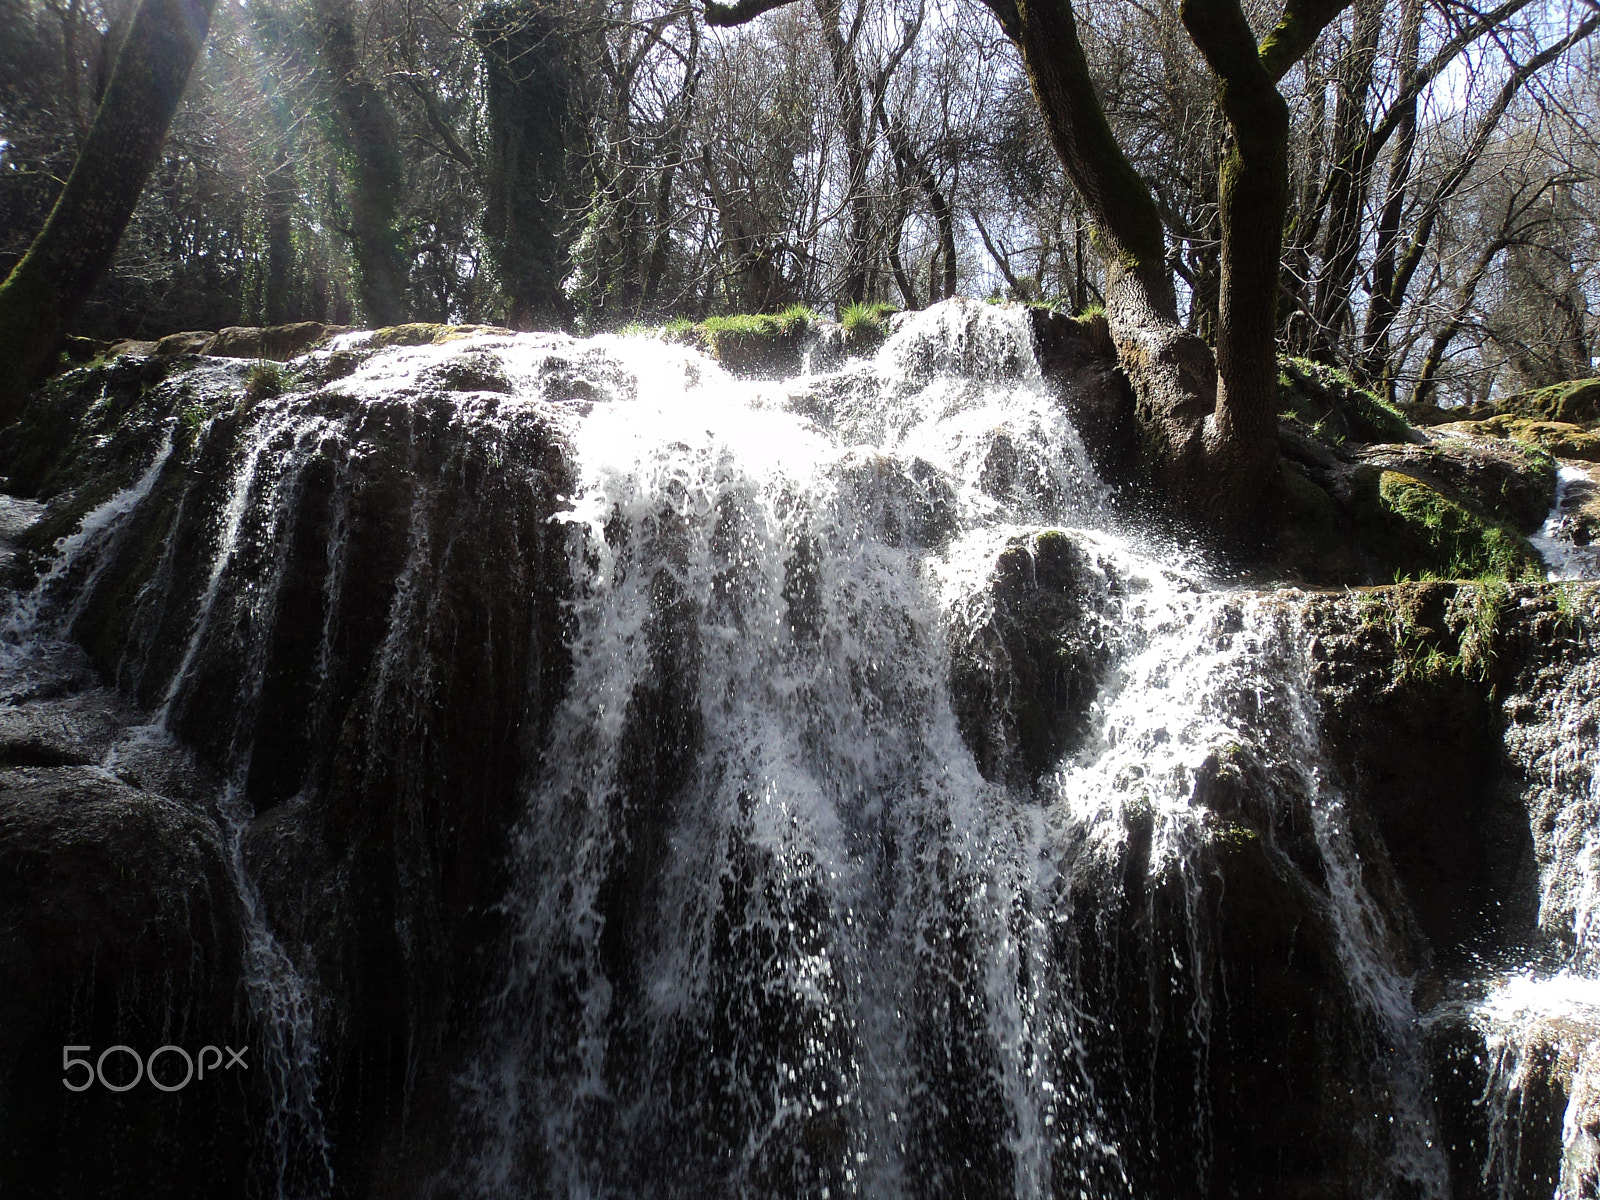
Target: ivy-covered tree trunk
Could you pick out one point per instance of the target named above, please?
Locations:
(47, 289)
(368, 141)
(528, 94)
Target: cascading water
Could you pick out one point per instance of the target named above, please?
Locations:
(776, 933)
(1540, 1023)
(829, 794)
(34, 644)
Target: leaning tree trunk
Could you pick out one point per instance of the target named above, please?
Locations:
(1172, 372)
(48, 288)
(1210, 426)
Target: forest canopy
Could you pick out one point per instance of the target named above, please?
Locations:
(587, 165)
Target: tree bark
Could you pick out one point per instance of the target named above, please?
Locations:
(1209, 424)
(528, 90)
(851, 96)
(368, 140)
(48, 288)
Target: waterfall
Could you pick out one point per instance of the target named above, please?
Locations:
(776, 931)
(642, 780)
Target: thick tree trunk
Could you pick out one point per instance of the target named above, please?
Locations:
(1253, 192)
(374, 171)
(1172, 371)
(48, 287)
(528, 93)
(1209, 425)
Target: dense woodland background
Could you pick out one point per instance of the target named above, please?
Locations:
(590, 163)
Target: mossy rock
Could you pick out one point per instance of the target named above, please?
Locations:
(757, 343)
(1334, 408)
(1575, 402)
(1415, 530)
(1560, 439)
(89, 425)
(423, 333)
(1507, 481)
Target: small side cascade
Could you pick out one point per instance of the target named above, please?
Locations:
(1565, 547)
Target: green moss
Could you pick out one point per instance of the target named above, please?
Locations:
(1442, 630)
(418, 333)
(1575, 402)
(1335, 407)
(1421, 532)
(1559, 438)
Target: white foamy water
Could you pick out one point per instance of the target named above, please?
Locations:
(1563, 558)
(775, 928)
(776, 933)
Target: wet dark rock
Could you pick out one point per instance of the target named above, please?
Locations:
(119, 925)
(75, 731)
(1413, 680)
(1077, 357)
(1024, 677)
(903, 502)
(389, 638)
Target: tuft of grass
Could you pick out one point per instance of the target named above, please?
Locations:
(864, 322)
(797, 318)
(264, 381)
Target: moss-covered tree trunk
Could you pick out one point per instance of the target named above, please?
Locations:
(1172, 371)
(1210, 425)
(46, 290)
(528, 90)
(364, 130)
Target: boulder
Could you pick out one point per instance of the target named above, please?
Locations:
(175, 345)
(1504, 481)
(1023, 678)
(277, 342)
(1559, 439)
(120, 925)
(1334, 407)
(132, 348)
(1575, 402)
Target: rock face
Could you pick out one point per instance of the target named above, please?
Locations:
(1575, 402)
(321, 594)
(122, 926)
